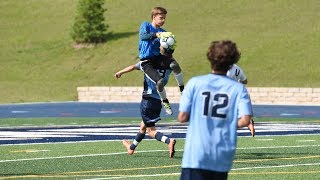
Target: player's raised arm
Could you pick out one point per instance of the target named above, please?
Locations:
(125, 70)
(236, 73)
(145, 34)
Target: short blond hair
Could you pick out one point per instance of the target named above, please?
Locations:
(158, 10)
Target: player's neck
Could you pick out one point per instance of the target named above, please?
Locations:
(219, 72)
(155, 25)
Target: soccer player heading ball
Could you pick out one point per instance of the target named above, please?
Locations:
(150, 35)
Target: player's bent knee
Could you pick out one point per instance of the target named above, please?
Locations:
(143, 130)
(151, 132)
(175, 67)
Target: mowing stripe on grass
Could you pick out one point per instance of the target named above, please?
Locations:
(281, 172)
(279, 166)
(114, 176)
(29, 151)
(177, 174)
(234, 173)
(290, 158)
(138, 176)
(113, 170)
(77, 156)
(278, 147)
(117, 176)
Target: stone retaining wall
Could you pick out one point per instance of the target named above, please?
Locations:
(276, 96)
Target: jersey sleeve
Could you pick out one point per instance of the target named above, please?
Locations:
(145, 32)
(242, 76)
(186, 97)
(245, 106)
(138, 66)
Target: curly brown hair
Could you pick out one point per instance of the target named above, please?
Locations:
(222, 55)
(158, 10)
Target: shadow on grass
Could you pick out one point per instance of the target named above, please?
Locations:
(115, 36)
(247, 156)
(111, 36)
(157, 155)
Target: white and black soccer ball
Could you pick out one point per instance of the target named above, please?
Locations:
(168, 42)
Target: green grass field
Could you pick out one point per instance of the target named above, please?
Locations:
(261, 157)
(288, 157)
(279, 41)
(42, 122)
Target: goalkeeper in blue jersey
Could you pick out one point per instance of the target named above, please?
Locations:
(150, 109)
(151, 58)
(215, 106)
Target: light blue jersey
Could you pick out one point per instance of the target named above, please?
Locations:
(149, 87)
(149, 44)
(214, 103)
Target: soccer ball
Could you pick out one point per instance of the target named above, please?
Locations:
(168, 42)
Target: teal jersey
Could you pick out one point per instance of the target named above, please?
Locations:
(149, 44)
(214, 104)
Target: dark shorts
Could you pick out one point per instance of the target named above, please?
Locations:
(150, 109)
(200, 174)
(149, 66)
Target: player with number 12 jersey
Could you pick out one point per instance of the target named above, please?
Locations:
(213, 120)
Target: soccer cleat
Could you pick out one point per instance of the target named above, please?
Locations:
(171, 147)
(127, 144)
(251, 127)
(167, 107)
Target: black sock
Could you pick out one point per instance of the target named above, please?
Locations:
(181, 88)
(160, 137)
(165, 100)
(137, 140)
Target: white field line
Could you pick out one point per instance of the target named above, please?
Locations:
(119, 153)
(306, 140)
(138, 176)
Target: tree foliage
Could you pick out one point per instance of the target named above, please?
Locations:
(89, 25)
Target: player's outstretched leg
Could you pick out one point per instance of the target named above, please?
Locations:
(155, 77)
(169, 141)
(127, 145)
(139, 137)
(251, 127)
(171, 146)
